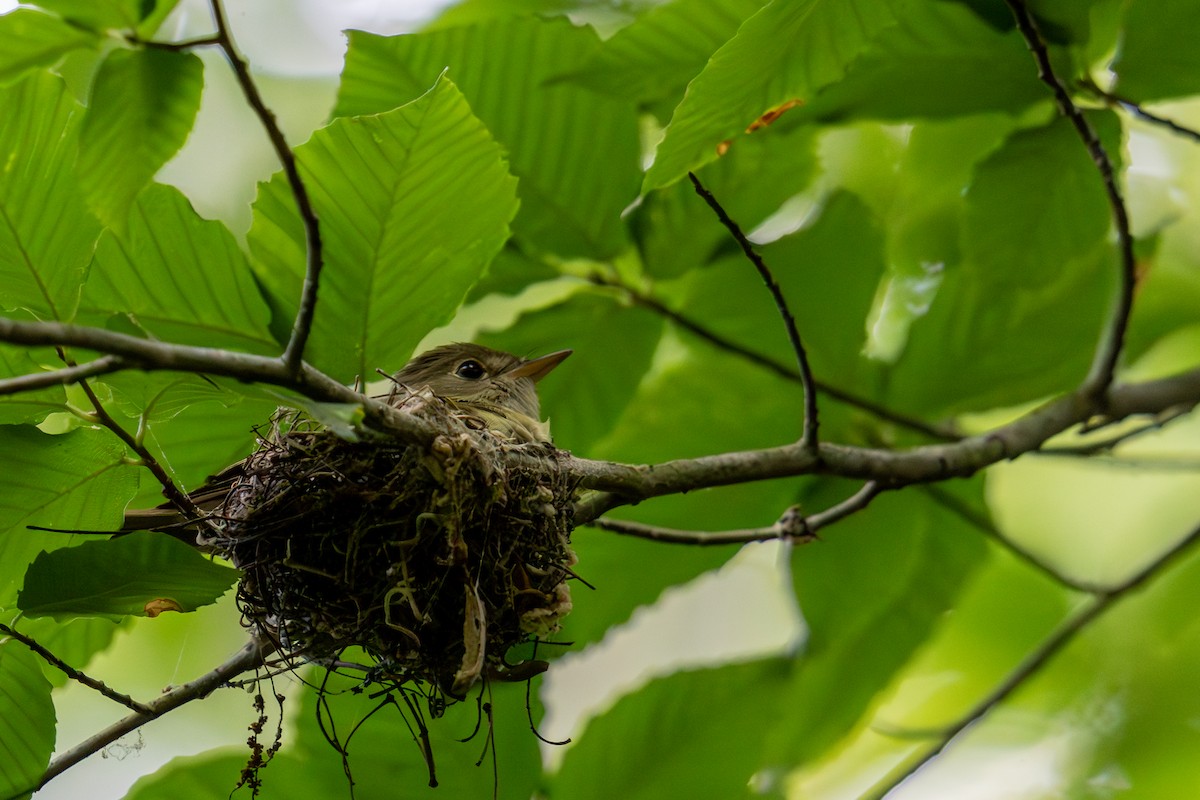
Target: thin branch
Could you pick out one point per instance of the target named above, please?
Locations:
(74, 674)
(1139, 111)
(1108, 351)
(651, 303)
(792, 526)
(811, 424)
(187, 44)
(148, 355)
(173, 493)
(1109, 443)
(1037, 660)
(251, 656)
(293, 354)
(66, 375)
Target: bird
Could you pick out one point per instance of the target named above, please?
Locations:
(495, 389)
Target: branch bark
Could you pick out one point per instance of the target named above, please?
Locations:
(251, 656)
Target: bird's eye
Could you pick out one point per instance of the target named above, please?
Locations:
(471, 370)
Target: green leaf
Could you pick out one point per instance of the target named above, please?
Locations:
(142, 108)
(904, 562)
(413, 205)
(215, 774)
(99, 15)
(653, 59)
(1019, 317)
(1157, 58)
(613, 346)
(1063, 210)
(34, 39)
(785, 52)
(694, 734)
(139, 574)
(178, 278)
(575, 152)
(75, 481)
(46, 231)
(26, 720)
(940, 60)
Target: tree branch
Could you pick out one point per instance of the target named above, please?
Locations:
(293, 354)
(1108, 351)
(619, 484)
(1033, 663)
(74, 674)
(652, 303)
(622, 484)
(147, 355)
(251, 656)
(66, 375)
(791, 526)
(1139, 111)
(173, 493)
(809, 439)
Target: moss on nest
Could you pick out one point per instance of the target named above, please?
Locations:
(435, 561)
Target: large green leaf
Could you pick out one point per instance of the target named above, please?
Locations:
(940, 60)
(613, 346)
(103, 14)
(653, 58)
(76, 481)
(26, 720)
(217, 772)
(576, 152)
(1156, 58)
(177, 277)
(413, 204)
(784, 53)
(34, 39)
(142, 108)
(1062, 213)
(1020, 315)
(871, 593)
(46, 232)
(140, 574)
(693, 734)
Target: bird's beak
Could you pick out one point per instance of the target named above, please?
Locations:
(539, 368)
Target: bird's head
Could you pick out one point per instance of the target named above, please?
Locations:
(472, 373)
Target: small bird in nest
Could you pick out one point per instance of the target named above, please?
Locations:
(495, 389)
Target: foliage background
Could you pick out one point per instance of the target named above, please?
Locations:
(945, 246)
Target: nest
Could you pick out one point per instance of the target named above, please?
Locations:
(434, 560)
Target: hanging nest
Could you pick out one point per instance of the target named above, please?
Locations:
(435, 560)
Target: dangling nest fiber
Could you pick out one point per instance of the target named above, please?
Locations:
(435, 561)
